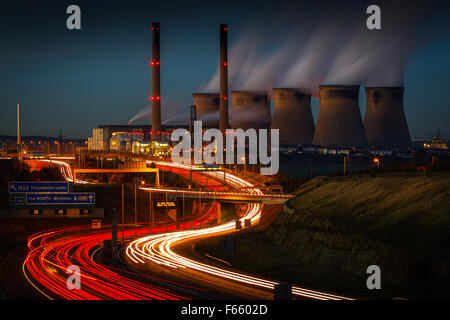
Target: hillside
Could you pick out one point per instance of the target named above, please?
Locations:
(336, 227)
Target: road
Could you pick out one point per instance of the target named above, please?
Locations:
(51, 252)
(158, 249)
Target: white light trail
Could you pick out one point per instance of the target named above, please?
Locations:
(157, 248)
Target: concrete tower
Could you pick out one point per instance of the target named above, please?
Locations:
(385, 121)
(223, 119)
(250, 109)
(339, 123)
(292, 116)
(207, 106)
(156, 84)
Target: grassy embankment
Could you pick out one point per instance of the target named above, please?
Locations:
(341, 225)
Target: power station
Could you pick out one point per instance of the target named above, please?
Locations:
(339, 123)
(385, 121)
(292, 116)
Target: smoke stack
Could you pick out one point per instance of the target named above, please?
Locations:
(192, 118)
(207, 106)
(19, 142)
(18, 126)
(385, 121)
(292, 116)
(339, 123)
(223, 121)
(156, 85)
(250, 109)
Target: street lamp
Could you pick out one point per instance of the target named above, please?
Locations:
(345, 164)
(378, 162)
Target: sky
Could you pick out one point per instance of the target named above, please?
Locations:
(75, 80)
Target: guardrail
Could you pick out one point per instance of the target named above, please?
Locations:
(222, 195)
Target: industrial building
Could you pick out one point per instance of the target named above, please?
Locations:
(339, 123)
(207, 107)
(250, 109)
(384, 121)
(122, 137)
(292, 116)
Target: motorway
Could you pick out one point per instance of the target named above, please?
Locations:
(51, 252)
(158, 249)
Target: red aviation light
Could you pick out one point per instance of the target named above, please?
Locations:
(225, 28)
(151, 28)
(149, 63)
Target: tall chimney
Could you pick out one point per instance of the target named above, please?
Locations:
(19, 145)
(156, 85)
(223, 122)
(192, 118)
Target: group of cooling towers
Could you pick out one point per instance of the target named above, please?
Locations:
(339, 123)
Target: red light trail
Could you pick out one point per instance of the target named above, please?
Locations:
(51, 252)
(158, 248)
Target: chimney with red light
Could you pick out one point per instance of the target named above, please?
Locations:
(156, 86)
(223, 122)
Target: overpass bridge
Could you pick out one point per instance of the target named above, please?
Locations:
(224, 196)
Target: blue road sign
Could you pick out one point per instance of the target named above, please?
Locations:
(38, 186)
(58, 198)
(17, 201)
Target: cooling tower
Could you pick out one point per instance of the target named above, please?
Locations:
(224, 122)
(156, 84)
(292, 116)
(339, 123)
(207, 108)
(385, 121)
(250, 109)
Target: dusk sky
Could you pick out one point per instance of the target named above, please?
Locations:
(76, 80)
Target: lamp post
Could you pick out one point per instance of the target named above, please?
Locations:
(378, 162)
(345, 164)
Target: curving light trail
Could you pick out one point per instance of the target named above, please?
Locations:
(158, 248)
(52, 252)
